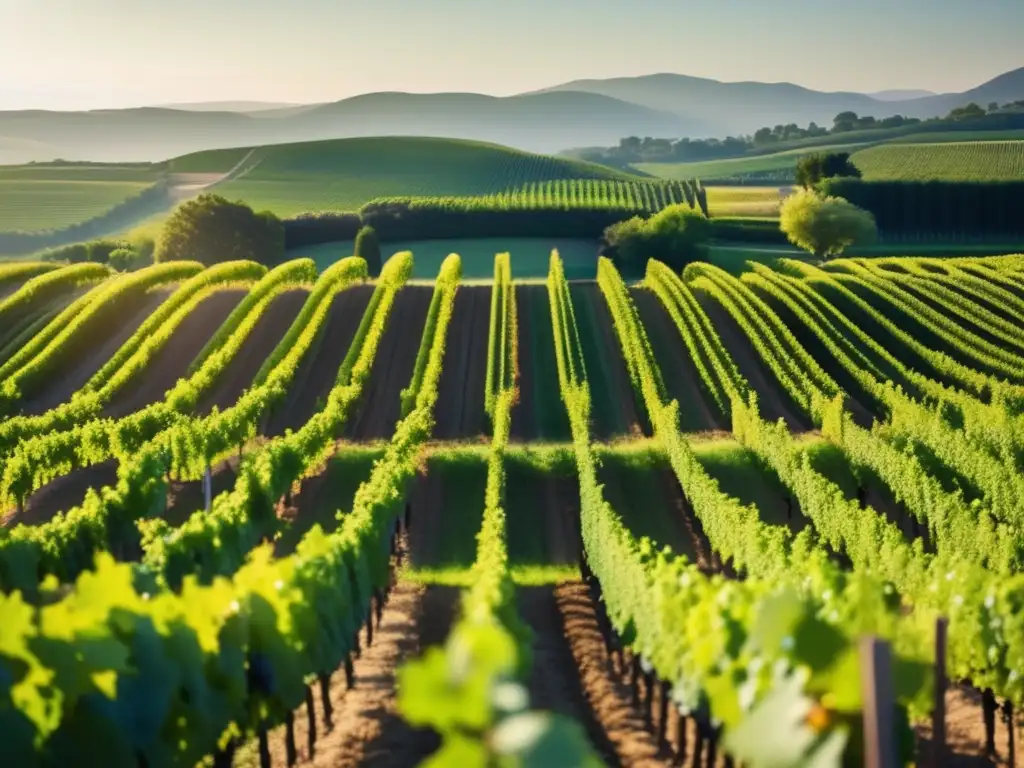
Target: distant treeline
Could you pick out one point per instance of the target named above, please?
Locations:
(945, 208)
(416, 218)
(150, 200)
(634, 149)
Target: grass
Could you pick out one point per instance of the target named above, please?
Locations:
(744, 201)
(739, 166)
(210, 161)
(530, 256)
(32, 205)
(949, 161)
(346, 173)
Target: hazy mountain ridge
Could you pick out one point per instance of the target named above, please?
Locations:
(579, 113)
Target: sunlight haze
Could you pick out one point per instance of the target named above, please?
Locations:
(68, 54)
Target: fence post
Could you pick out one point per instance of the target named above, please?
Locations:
(879, 703)
(208, 486)
(939, 706)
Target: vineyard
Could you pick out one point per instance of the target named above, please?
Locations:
(962, 161)
(285, 517)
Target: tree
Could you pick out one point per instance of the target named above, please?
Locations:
(676, 235)
(972, 110)
(368, 248)
(825, 226)
(816, 166)
(123, 259)
(211, 229)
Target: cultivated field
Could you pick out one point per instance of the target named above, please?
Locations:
(963, 161)
(276, 488)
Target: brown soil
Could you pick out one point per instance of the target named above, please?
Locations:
(171, 362)
(184, 498)
(965, 733)
(80, 361)
(62, 494)
(540, 413)
(17, 328)
(318, 371)
(461, 393)
(257, 347)
(772, 399)
(368, 729)
(380, 407)
(697, 410)
(607, 373)
(616, 725)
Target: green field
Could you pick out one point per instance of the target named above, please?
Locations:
(949, 161)
(744, 201)
(734, 167)
(32, 205)
(344, 174)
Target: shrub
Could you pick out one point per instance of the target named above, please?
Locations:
(815, 167)
(676, 236)
(367, 247)
(825, 226)
(210, 229)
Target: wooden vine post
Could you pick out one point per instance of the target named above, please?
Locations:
(939, 706)
(879, 703)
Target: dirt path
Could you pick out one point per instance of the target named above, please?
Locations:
(461, 394)
(80, 362)
(540, 414)
(615, 725)
(380, 407)
(62, 494)
(184, 498)
(368, 730)
(171, 362)
(257, 347)
(697, 411)
(614, 411)
(965, 733)
(772, 399)
(318, 370)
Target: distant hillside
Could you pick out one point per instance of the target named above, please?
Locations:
(713, 108)
(898, 95)
(344, 174)
(228, 106)
(542, 122)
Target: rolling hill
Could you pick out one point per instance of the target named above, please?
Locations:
(540, 122)
(343, 174)
(714, 108)
(575, 114)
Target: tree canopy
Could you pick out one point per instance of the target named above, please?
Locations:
(676, 235)
(367, 247)
(812, 168)
(825, 226)
(210, 229)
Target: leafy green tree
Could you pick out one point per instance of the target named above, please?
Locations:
(123, 259)
(211, 229)
(825, 226)
(816, 166)
(367, 247)
(676, 235)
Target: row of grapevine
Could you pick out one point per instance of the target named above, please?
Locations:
(503, 335)
(673, 615)
(225, 342)
(53, 283)
(243, 650)
(983, 628)
(66, 544)
(42, 355)
(23, 270)
(216, 541)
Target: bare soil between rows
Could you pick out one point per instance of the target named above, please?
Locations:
(540, 413)
(171, 362)
(380, 408)
(264, 337)
(80, 362)
(461, 393)
(318, 371)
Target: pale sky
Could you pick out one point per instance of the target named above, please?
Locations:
(81, 54)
